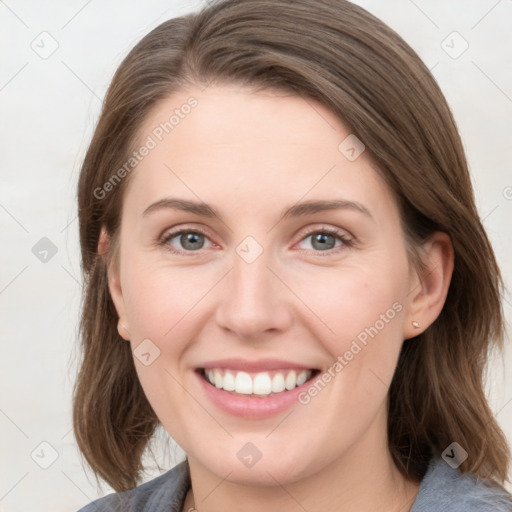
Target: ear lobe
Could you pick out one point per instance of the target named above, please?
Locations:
(429, 292)
(114, 283)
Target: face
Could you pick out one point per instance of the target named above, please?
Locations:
(295, 313)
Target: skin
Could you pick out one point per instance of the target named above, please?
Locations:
(250, 155)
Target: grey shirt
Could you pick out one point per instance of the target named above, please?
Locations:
(442, 489)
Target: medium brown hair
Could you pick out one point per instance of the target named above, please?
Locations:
(340, 55)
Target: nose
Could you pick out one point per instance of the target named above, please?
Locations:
(254, 301)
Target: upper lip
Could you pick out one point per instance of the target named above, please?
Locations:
(254, 366)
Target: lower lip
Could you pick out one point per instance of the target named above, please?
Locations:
(252, 407)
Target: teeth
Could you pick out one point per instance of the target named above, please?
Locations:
(278, 383)
(301, 378)
(217, 378)
(291, 380)
(243, 383)
(262, 383)
(229, 382)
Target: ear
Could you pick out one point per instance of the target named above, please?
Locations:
(428, 291)
(114, 283)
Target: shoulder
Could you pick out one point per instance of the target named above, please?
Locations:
(445, 489)
(163, 493)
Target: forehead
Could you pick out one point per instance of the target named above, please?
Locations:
(232, 114)
(229, 140)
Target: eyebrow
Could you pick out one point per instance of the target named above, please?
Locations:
(297, 210)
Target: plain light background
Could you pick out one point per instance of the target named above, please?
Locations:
(57, 61)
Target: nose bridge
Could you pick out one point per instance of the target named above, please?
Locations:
(254, 300)
(252, 280)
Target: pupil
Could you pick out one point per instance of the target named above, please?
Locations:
(191, 240)
(321, 239)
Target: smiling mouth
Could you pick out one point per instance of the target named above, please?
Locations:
(260, 384)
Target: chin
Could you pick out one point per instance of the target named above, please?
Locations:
(243, 464)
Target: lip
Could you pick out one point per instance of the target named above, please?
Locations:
(261, 365)
(252, 407)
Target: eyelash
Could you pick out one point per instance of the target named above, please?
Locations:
(346, 242)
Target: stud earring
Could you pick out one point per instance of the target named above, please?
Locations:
(415, 324)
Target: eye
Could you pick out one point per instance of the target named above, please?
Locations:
(190, 240)
(324, 240)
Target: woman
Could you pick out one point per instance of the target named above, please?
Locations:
(286, 269)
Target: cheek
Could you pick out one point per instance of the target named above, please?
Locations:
(160, 308)
(158, 299)
(361, 312)
(351, 300)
